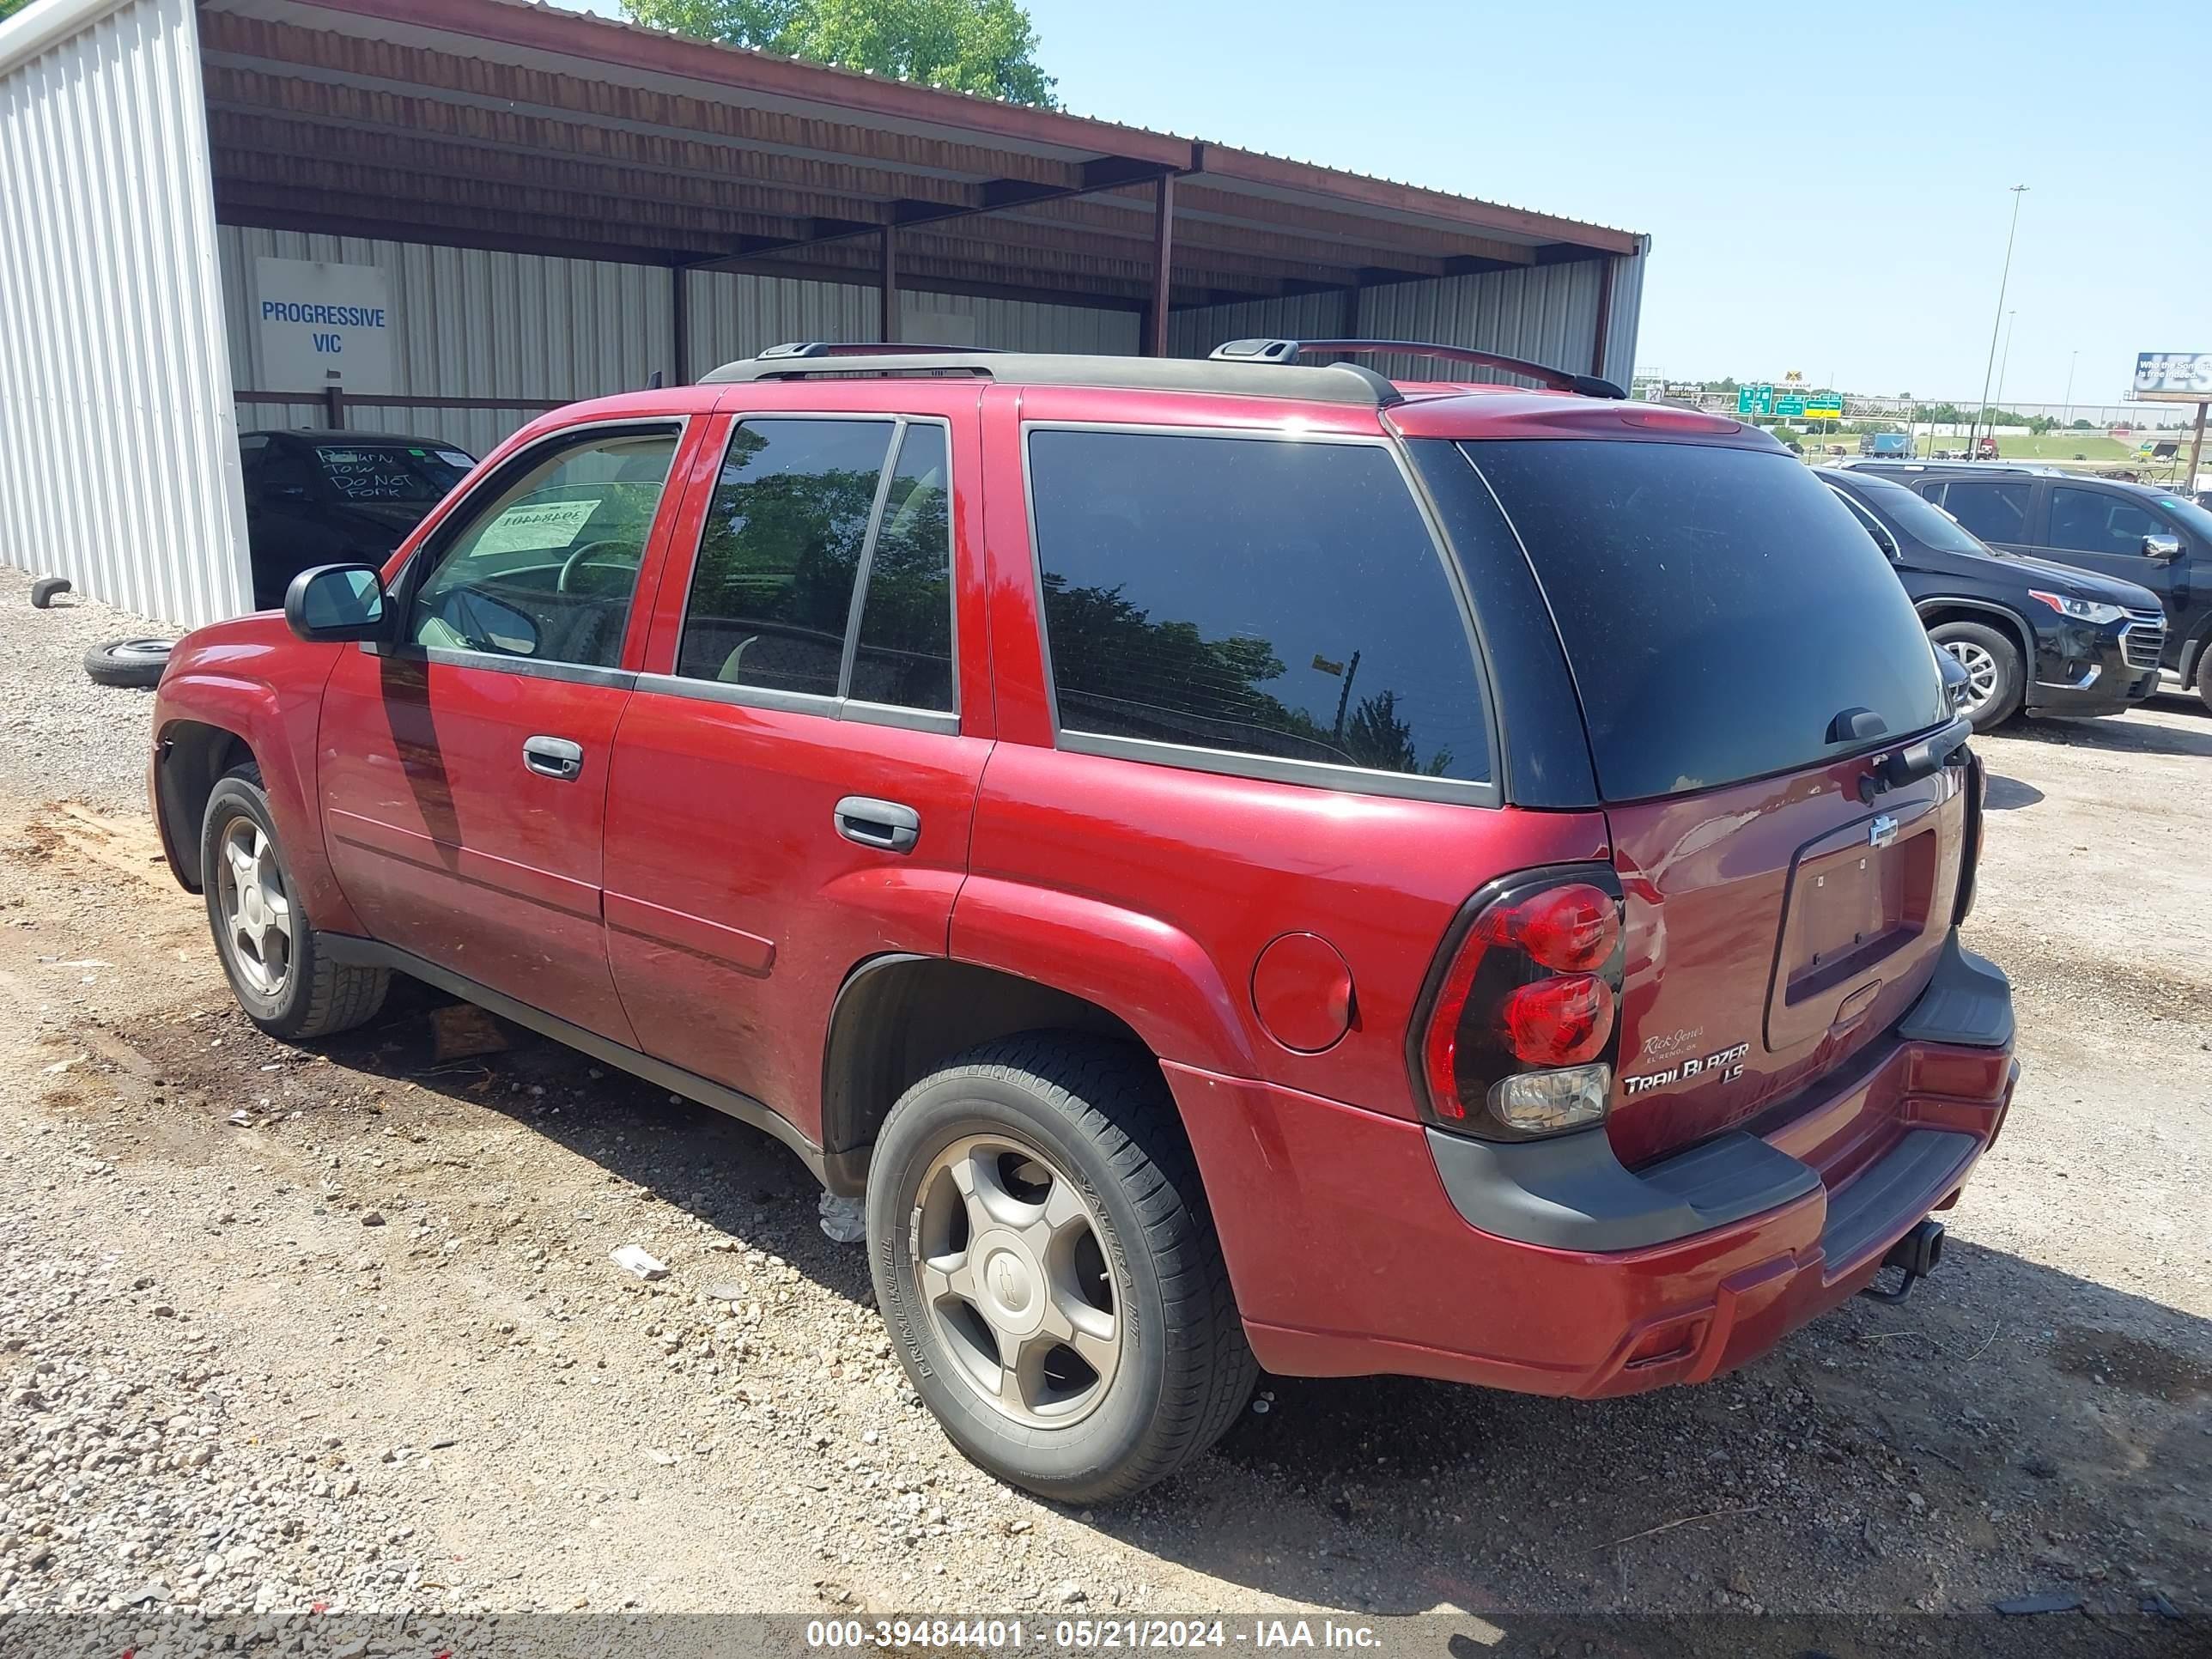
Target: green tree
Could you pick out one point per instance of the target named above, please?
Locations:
(10, 8)
(983, 46)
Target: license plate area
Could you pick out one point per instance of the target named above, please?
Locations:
(1853, 905)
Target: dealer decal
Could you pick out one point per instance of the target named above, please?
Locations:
(1728, 1062)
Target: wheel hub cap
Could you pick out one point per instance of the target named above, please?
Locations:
(1011, 1264)
(1981, 671)
(256, 934)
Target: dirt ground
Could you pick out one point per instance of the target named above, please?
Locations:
(338, 1325)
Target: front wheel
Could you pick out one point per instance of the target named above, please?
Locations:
(285, 984)
(1044, 1258)
(1995, 681)
(2204, 674)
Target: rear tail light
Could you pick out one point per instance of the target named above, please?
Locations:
(1523, 1021)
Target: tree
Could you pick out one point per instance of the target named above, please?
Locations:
(10, 8)
(982, 46)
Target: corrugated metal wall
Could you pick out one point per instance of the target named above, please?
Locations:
(734, 314)
(118, 456)
(475, 324)
(467, 323)
(1547, 313)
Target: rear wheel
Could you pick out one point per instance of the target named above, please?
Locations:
(1043, 1257)
(1995, 683)
(287, 986)
(2204, 674)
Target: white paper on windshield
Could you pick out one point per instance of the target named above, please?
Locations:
(536, 527)
(454, 457)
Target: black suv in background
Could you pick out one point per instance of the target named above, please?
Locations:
(2155, 537)
(323, 497)
(2030, 634)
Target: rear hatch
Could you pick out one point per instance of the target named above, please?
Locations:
(1743, 656)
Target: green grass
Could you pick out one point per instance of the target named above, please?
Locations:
(2094, 449)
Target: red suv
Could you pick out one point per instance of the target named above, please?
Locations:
(1243, 863)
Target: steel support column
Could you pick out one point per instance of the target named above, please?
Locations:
(888, 329)
(1598, 341)
(1156, 318)
(679, 325)
(2196, 452)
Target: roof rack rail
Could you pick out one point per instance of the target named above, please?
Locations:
(1289, 351)
(1334, 383)
(790, 348)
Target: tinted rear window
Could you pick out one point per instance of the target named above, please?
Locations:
(1256, 597)
(1718, 606)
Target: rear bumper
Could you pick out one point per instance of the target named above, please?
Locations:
(1355, 1247)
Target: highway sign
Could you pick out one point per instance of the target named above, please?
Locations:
(1791, 408)
(1754, 400)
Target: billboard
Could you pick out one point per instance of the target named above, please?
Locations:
(2174, 377)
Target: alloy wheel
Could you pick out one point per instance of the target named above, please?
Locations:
(1981, 673)
(1014, 1280)
(257, 911)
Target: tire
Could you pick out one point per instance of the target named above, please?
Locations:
(47, 589)
(135, 663)
(1097, 1117)
(1988, 653)
(2204, 674)
(311, 996)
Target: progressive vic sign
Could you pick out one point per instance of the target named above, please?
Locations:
(2174, 377)
(323, 324)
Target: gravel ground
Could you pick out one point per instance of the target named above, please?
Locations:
(50, 713)
(287, 1329)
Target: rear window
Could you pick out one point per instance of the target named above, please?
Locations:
(1718, 606)
(1272, 599)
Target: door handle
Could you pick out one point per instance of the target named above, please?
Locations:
(884, 824)
(553, 758)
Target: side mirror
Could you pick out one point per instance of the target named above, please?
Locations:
(2164, 549)
(337, 602)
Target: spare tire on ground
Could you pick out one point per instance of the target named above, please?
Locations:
(135, 663)
(47, 589)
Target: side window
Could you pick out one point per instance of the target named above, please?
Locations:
(545, 567)
(904, 655)
(1995, 512)
(772, 594)
(2092, 521)
(251, 453)
(1252, 596)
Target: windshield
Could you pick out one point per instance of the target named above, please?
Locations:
(2193, 517)
(393, 472)
(1724, 615)
(1919, 519)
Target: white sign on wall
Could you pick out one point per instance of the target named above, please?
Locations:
(324, 324)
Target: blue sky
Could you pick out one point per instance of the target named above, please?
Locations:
(1824, 186)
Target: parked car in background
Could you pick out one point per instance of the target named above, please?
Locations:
(2139, 534)
(1342, 878)
(319, 497)
(2031, 635)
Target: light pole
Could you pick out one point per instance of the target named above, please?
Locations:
(2066, 414)
(2004, 367)
(1996, 321)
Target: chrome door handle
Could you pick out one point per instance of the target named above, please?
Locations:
(553, 758)
(884, 824)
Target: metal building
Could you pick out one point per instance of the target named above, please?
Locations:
(446, 216)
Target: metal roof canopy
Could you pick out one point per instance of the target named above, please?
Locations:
(494, 124)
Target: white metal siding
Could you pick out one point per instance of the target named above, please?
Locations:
(467, 323)
(1546, 314)
(736, 313)
(119, 454)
